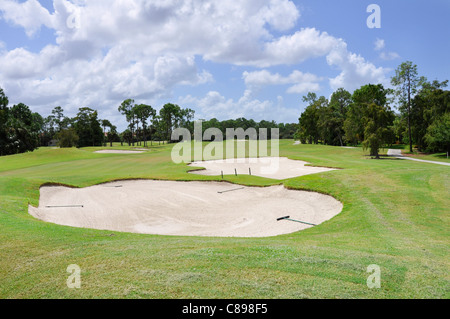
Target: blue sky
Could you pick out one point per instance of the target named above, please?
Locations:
(224, 59)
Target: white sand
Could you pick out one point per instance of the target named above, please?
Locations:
(185, 208)
(270, 167)
(118, 152)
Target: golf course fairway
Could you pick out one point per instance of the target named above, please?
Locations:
(395, 215)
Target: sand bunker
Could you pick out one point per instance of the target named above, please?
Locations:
(270, 167)
(118, 152)
(184, 208)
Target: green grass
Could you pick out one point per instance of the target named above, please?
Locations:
(396, 215)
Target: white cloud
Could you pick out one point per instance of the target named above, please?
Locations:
(213, 104)
(30, 15)
(379, 44)
(389, 56)
(109, 50)
(355, 70)
(302, 82)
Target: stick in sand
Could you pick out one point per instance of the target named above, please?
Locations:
(65, 206)
(294, 220)
(231, 190)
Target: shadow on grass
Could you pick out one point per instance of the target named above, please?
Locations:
(383, 157)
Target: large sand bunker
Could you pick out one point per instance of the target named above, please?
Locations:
(270, 167)
(184, 208)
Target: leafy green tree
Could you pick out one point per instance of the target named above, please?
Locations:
(113, 136)
(49, 130)
(127, 136)
(20, 134)
(399, 127)
(354, 124)
(37, 126)
(170, 115)
(186, 121)
(378, 120)
(59, 118)
(438, 134)
(429, 104)
(87, 127)
(339, 103)
(310, 118)
(408, 82)
(67, 138)
(143, 113)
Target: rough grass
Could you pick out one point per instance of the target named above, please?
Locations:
(395, 215)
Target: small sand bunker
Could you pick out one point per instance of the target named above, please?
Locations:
(185, 208)
(118, 152)
(270, 167)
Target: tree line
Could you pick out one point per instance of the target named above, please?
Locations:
(19, 127)
(22, 130)
(367, 118)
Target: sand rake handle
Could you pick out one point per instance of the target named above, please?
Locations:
(294, 220)
(66, 206)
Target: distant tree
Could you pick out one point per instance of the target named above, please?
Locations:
(339, 102)
(430, 103)
(87, 127)
(127, 136)
(143, 113)
(59, 118)
(105, 124)
(378, 120)
(170, 115)
(4, 115)
(407, 82)
(20, 135)
(49, 130)
(186, 121)
(438, 134)
(126, 108)
(22, 113)
(287, 130)
(269, 125)
(354, 124)
(399, 128)
(67, 138)
(37, 126)
(157, 125)
(309, 120)
(112, 135)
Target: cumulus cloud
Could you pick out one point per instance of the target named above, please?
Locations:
(302, 82)
(109, 50)
(355, 70)
(137, 48)
(30, 15)
(214, 104)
